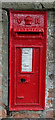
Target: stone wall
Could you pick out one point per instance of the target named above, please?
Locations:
(49, 111)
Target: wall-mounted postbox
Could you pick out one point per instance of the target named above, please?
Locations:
(27, 60)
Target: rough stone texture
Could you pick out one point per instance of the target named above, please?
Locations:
(0, 80)
(5, 56)
(3, 113)
(25, 115)
(50, 70)
(50, 66)
(27, 1)
(49, 114)
(0, 14)
(29, 5)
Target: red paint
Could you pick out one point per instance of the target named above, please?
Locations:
(28, 29)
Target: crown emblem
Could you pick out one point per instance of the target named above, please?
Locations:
(28, 20)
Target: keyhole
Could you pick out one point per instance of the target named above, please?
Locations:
(22, 80)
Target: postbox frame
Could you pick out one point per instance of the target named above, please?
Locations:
(41, 104)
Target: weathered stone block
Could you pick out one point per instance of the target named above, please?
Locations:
(33, 5)
(5, 57)
(50, 93)
(49, 114)
(0, 80)
(49, 104)
(20, 6)
(0, 42)
(5, 94)
(25, 115)
(3, 113)
(1, 30)
(0, 14)
(50, 68)
(50, 55)
(4, 16)
(0, 92)
(0, 68)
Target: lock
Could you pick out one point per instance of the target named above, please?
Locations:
(22, 80)
(27, 52)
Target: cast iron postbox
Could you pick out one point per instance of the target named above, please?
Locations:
(27, 60)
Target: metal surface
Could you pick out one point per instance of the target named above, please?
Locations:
(27, 60)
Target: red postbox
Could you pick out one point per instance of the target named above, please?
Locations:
(27, 60)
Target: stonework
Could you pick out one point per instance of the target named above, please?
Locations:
(34, 5)
(49, 111)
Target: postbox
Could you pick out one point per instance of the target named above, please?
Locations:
(27, 60)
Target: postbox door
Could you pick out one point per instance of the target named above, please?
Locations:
(27, 67)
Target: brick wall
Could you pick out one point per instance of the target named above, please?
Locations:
(49, 111)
